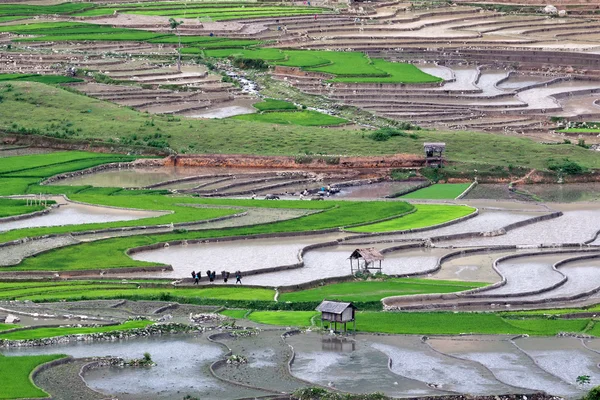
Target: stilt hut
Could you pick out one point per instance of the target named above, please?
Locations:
(366, 260)
(434, 153)
(337, 311)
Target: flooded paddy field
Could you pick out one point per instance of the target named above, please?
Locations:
(182, 368)
(407, 366)
(396, 365)
(226, 181)
(71, 213)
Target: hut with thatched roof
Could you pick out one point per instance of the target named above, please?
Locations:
(337, 311)
(366, 260)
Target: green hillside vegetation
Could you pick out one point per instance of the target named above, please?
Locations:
(30, 107)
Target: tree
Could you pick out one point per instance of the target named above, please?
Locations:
(175, 25)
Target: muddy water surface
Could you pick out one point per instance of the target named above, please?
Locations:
(182, 368)
(74, 214)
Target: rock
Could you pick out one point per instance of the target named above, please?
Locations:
(11, 319)
(562, 13)
(550, 10)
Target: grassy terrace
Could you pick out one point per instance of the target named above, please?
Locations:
(426, 215)
(216, 11)
(112, 251)
(357, 291)
(348, 67)
(32, 107)
(362, 291)
(40, 333)
(433, 323)
(16, 376)
(439, 192)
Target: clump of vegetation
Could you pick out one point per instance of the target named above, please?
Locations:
(383, 134)
(236, 359)
(250, 63)
(315, 393)
(402, 174)
(567, 167)
(593, 394)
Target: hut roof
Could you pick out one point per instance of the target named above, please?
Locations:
(370, 254)
(435, 146)
(333, 307)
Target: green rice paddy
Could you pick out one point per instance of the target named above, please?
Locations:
(11, 207)
(440, 191)
(41, 333)
(303, 118)
(16, 376)
(363, 291)
(425, 216)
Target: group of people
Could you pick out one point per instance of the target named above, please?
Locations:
(212, 275)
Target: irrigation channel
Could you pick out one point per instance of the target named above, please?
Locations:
(532, 255)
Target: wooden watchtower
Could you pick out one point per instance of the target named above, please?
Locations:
(337, 311)
(366, 260)
(434, 153)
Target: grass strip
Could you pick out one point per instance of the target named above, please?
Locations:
(425, 216)
(303, 118)
(11, 207)
(433, 323)
(361, 291)
(42, 333)
(439, 191)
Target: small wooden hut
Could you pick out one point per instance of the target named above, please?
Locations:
(434, 153)
(337, 311)
(366, 259)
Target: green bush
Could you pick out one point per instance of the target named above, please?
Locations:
(567, 167)
(383, 134)
(250, 63)
(593, 394)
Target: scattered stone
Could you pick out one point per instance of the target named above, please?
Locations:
(11, 319)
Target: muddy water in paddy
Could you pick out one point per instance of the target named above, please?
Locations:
(243, 255)
(508, 364)
(476, 267)
(565, 358)
(138, 177)
(487, 220)
(375, 190)
(579, 223)
(182, 368)
(413, 359)
(74, 214)
(525, 274)
(323, 360)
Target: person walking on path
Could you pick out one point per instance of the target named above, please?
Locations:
(238, 277)
(193, 274)
(226, 277)
(197, 278)
(213, 276)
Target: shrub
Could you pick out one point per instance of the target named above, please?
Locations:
(567, 167)
(593, 394)
(250, 63)
(383, 134)
(303, 159)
